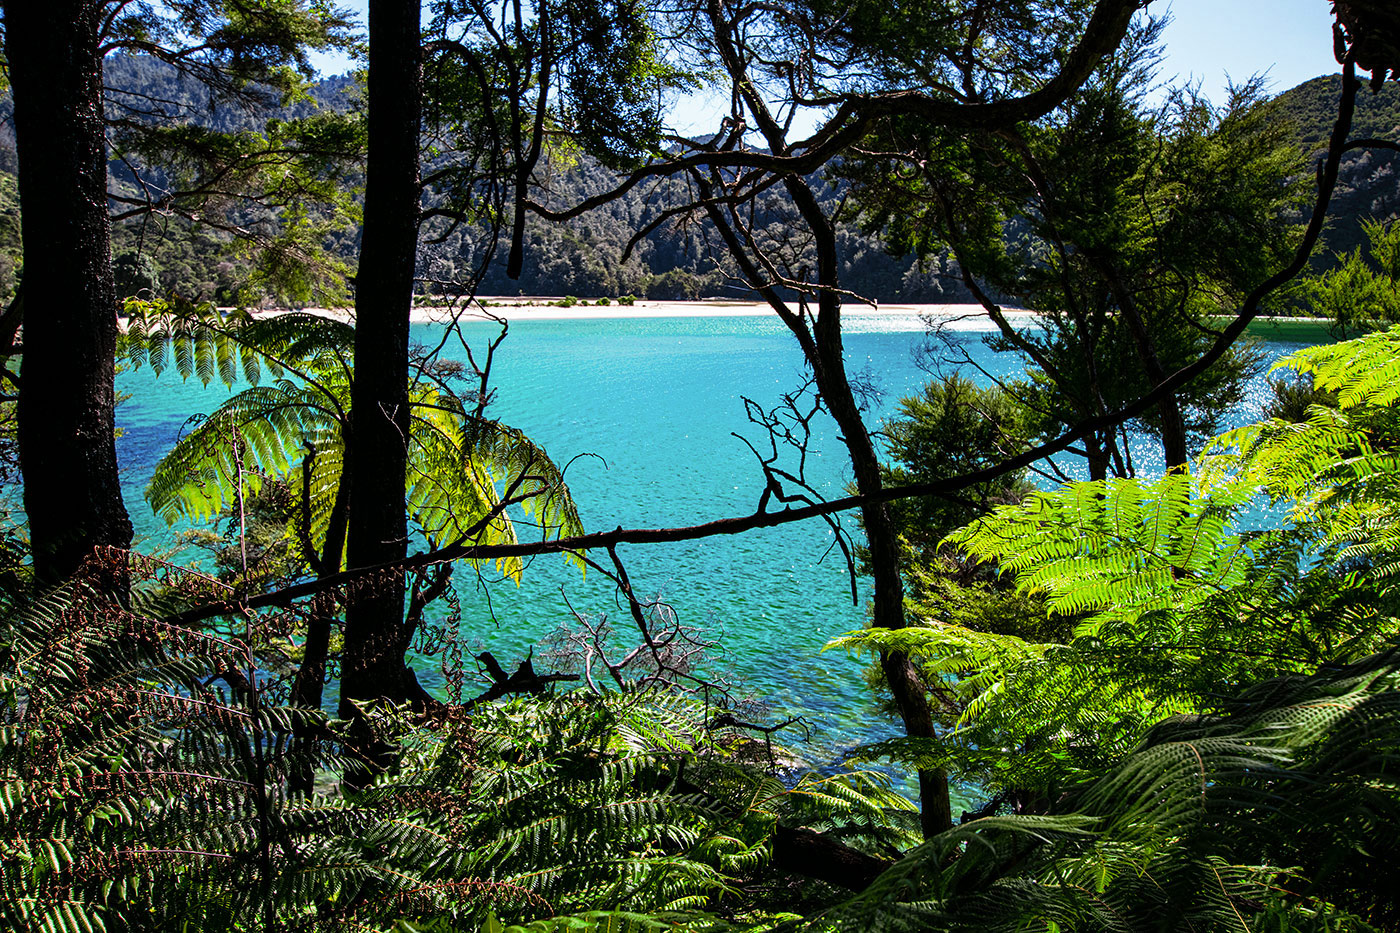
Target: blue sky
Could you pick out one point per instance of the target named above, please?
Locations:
(1210, 41)
(1289, 41)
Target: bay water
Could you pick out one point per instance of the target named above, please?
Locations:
(644, 413)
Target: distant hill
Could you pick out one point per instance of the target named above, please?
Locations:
(1369, 183)
(583, 258)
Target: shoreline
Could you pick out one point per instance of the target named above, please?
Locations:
(957, 317)
(515, 310)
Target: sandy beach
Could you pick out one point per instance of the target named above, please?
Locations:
(955, 317)
(517, 310)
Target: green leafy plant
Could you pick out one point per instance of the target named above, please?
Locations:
(467, 469)
(1270, 813)
(1169, 597)
(1360, 292)
(142, 783)
(146, 784)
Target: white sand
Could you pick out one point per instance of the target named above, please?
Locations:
(542, 309)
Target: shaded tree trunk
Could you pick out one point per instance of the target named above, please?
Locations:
(308, 688)
(821, 344)
(1169, 409)
(67, 447)
(373, 660)
(827, 356)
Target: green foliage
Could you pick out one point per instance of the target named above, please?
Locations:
(1364, 290)
(1273, 813)
(254, 547)
(233, 46)
(1337, 465)
(465, 470)
(139, 793)
(190, 87)
(1123, 227)
(954, 427)
(136, 276)
(1312, 107)
(1211, 745)
(1368, 187)
(608, 921)
(951, 590)
(11, 252)
(1170, 600)
(615, 78)
(571, 809)
(276, 193)
(950, 428)
(143, 786)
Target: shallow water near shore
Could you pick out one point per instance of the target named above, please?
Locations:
(643, 412)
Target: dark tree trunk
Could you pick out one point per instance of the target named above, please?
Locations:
(1169, 409)
(887, 610)
(373, 661)
(827, 356)
(1173, 429)
(815, 855)
(67, 447)
(822, 347)
(821, 344)
(308, 688)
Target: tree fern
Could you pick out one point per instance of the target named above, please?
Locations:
(1172, 600)
(1341, 466)
(144, 787)
(470, 478)
(137, 795)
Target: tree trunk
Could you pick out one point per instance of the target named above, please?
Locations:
(1169, 408)
(67, 445)
(827, 356)
(373, 661)
(823, 349)
(887, 611)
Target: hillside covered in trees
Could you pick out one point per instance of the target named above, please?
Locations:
(585, 257)
(1369, 184)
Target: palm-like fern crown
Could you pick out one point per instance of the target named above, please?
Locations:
(1339, 467)
(291, 421)
(145, 787)
(136, 786)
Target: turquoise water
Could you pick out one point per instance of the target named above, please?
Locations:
(653, 403)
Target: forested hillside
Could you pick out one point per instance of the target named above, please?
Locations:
(584, 257)
(1368, 186)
